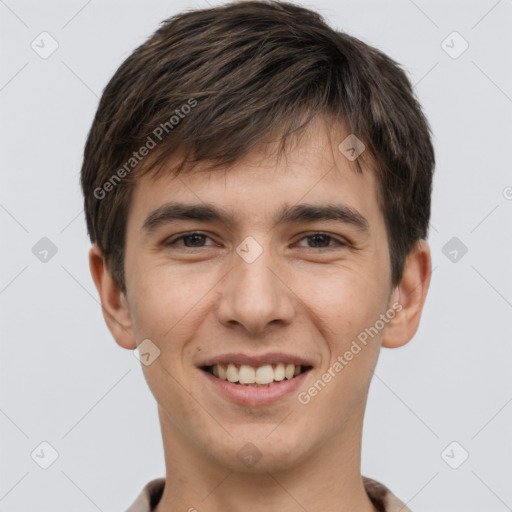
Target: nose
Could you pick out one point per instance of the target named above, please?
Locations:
(255, 295)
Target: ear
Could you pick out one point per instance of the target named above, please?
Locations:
(410, 294)
(113, 301)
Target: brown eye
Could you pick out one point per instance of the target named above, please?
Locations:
(190, 240)
(194, 239)
(322, 240)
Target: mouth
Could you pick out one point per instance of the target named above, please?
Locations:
(264, 376)
(255, 379)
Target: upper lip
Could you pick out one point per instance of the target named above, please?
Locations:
(255, 360)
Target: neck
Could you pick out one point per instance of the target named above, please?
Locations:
(327, 480)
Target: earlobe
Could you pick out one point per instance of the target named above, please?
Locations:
(410, 294)
(114, 305)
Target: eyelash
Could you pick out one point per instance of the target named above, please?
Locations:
(339, 243)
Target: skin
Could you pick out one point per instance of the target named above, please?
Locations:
(302, 296)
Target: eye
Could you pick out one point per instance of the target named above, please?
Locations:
(322, 241)
(191, 240)
(195, 240)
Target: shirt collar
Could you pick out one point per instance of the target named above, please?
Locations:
(382, 498)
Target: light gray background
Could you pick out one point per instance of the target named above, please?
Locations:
(65, 381)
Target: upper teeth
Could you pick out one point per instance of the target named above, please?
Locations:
(265, 374)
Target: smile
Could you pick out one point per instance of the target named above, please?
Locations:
(255, 386)
(262, 376)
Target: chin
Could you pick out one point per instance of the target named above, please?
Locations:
(260, 450)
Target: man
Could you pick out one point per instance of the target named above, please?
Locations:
(257, 190)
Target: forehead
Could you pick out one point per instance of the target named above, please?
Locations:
(313, 170)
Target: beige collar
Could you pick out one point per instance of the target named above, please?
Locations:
(382, 498)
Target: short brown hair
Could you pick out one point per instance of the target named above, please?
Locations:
(218, 81)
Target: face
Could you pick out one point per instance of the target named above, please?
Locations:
(274, 277)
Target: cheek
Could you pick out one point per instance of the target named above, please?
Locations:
(348, 305)
(165, 299)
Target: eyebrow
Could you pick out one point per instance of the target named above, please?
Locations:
(176, 211)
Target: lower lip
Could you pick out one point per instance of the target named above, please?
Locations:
(252, 395)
